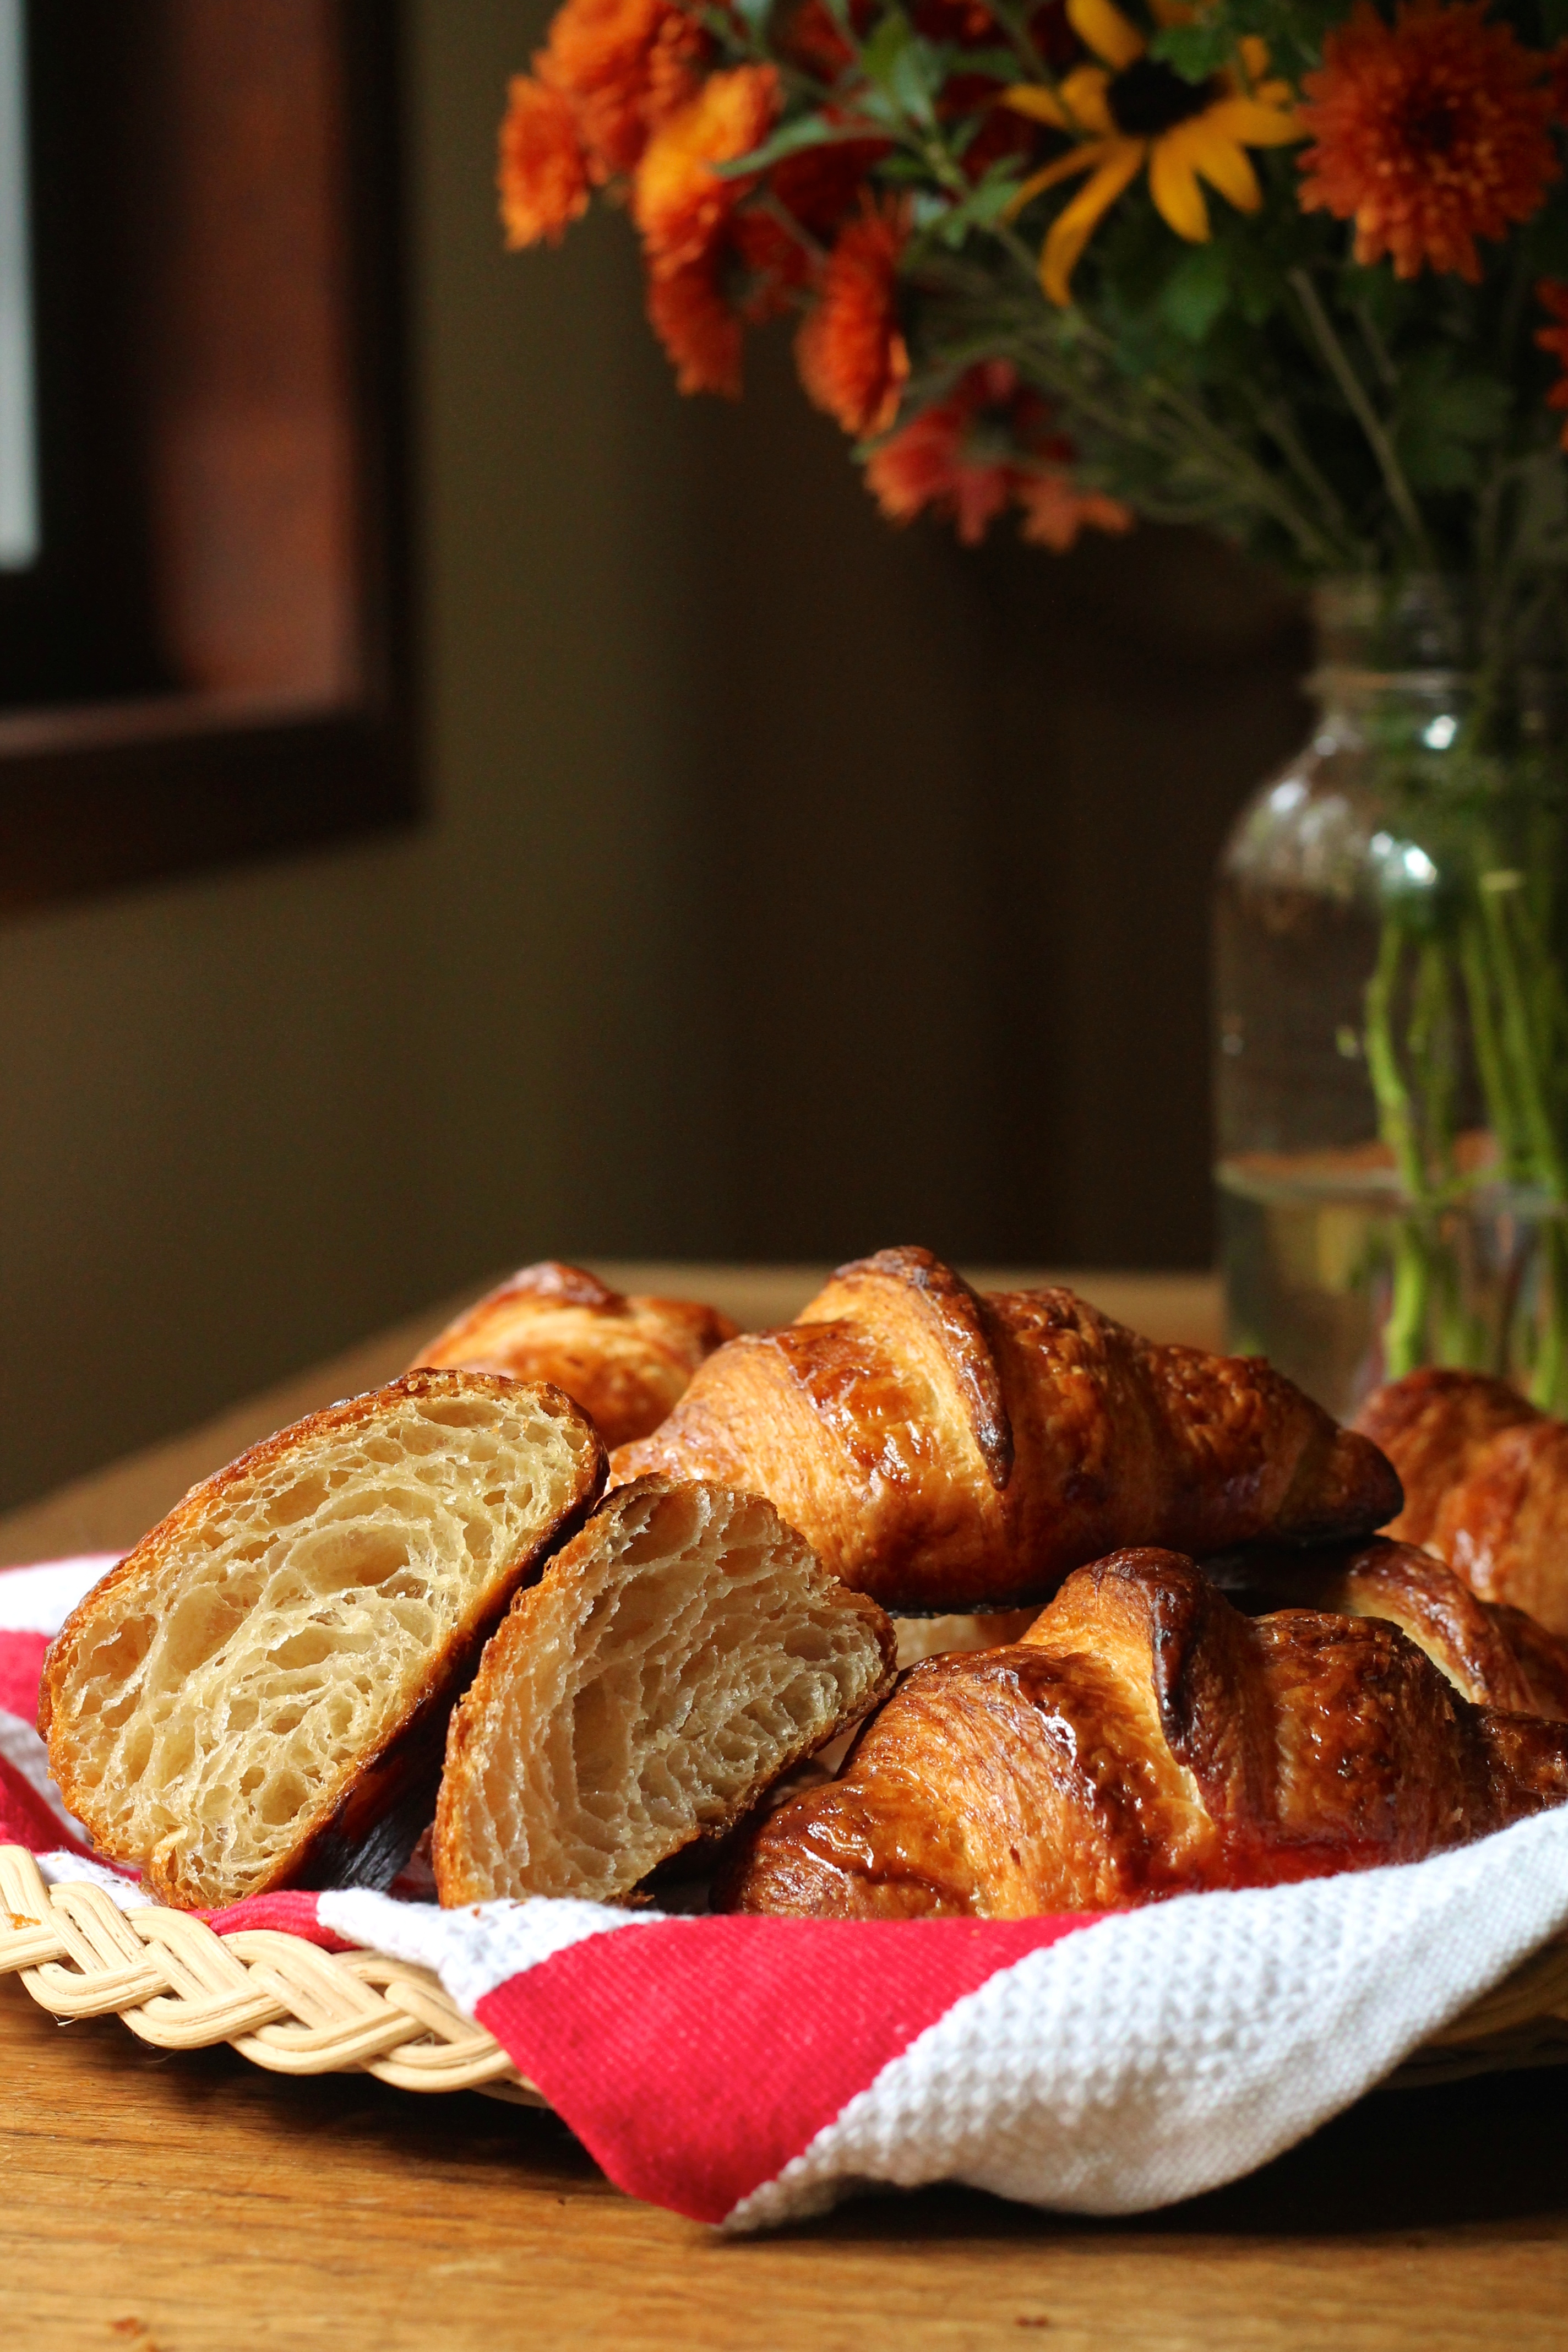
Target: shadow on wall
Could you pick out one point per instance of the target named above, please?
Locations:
(955, 816)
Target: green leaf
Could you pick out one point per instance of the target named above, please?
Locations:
(1195, 51)
(806, 131)
(982, 208)
(998, 65)
(754, 14)
(1196, 292)
(1444, 419)
(907, 70)
(887, 44)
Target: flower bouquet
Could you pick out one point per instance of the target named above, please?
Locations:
(1295, 272)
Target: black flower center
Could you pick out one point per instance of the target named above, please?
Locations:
(1147, 96)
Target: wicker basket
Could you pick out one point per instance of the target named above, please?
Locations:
(280, 2001)
(286, 2004)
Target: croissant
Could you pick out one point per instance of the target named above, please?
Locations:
(1494, 1654)
(258, 1695)
(1147, 1739)
(623, 1361)
(681, 1654)
(944, 1450)
(1486, 1484)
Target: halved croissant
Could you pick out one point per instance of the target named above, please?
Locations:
(1146, 1740)
(680, 1655)
(941, 1449)
(258, 1695)
(1486, 1484)
(625, 1362)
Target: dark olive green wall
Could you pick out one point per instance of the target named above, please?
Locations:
(792, 885)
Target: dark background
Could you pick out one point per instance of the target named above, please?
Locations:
(790, 885)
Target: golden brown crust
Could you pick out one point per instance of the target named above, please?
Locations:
(939, 1449)
(393, 1782)
(1486, 1481)
(1433, 1425)
(625, 1362)
(1495, 1656)
(1147, 1739)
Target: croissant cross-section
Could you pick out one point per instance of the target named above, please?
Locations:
(682, 1653)
(256, 1696)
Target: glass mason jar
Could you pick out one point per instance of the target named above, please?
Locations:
(1391, 1067)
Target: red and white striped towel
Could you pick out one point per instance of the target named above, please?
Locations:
(748, 2071)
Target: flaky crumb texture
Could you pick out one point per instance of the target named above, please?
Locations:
(213, 1700)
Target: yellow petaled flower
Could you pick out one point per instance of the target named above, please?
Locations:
(1132, 109)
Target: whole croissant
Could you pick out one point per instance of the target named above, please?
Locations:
(941, 1449)
(1493, 1654)
(623, 1362)
(1486, 1484)
(1147, 1739)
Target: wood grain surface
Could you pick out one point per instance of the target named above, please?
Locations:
(192, 2204)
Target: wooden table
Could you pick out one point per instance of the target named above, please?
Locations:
(192, 2204)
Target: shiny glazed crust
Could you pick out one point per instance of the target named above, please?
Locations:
(944, 1450)
(1147, 1739)
(1486, 1485)
(1494, 1655)
(258, 1695)
(623, 1362)
(680, 1655)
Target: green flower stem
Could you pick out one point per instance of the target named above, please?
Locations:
(1496, 1084)
(1014, 24)
(1337, 360)
(1404, 1332)
(1396, 1117)
(1431, 1043)
(1500, 953)
(1549, 1379)
(1175, 428)
(1522, 1041)
(1275, 421)
(1151, 415)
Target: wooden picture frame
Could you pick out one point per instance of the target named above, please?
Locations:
(221, 627)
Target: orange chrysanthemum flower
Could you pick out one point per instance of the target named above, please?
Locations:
(812, 40)
(851, 352)
(627, 66)
(816, 192)
(678, 202)
(969, 456)
(700, 335)
(1553, 296)
(1429, 132)
(674, 66)
(946, 460)
(1055, 510)
(543, 176)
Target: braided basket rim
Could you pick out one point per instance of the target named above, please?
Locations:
(281, 2000)
(287, 2005)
